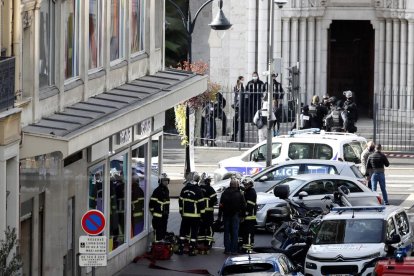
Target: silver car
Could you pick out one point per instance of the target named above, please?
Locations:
(276, 173)
(315, 187)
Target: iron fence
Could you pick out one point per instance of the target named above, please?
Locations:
(7, 83)
(228, 121)
(393, 120)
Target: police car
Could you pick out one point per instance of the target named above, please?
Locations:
(350, 237)
(303, 144)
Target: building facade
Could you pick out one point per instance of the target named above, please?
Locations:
(91, 91)
(366, 46)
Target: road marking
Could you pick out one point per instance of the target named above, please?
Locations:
(408, 202)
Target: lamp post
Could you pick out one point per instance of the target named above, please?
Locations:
(280, 4)
(220, 23)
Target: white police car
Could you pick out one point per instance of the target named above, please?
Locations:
(349, 237)
(305, 144)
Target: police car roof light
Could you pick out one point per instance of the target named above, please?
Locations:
(359, 208)
(302, 131)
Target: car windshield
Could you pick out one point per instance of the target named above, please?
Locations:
(350, 231)
(248, 268)
(292, 182)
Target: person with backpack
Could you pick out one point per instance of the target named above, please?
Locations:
(334, 120)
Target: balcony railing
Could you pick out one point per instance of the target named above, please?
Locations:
(6, 83)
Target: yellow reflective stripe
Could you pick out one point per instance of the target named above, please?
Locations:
(91, 197)
(139, 214)
(209, 209)
(158, 215)
(191, 215)
(189, 200)
(213, 195)
(251, 202)
(250, 217)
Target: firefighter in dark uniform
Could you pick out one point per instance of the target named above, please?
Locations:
(191, 207)
(249, 222)
(334, 120)
(160, 208)
(205, 237)
(137, 206)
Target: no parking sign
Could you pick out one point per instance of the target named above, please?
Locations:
(93, 222)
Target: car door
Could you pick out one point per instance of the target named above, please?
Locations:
(274, 176)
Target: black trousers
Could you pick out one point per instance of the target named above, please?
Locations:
(206, 233)
(248, 234)
(160, 228)
(189, 228)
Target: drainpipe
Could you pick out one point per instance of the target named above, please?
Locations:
(256, 41)
(17, 42)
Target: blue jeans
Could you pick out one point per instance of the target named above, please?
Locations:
(231, 233)
(379, 177)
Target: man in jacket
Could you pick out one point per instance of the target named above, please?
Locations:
(334, 120)
(191, 207)
(160, 208)
(232, 206)
(376, 162)
(369, 149)
(249, 218)
(255, 88)
(205, 237)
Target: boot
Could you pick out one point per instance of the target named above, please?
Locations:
(180, 250)
(192, 250)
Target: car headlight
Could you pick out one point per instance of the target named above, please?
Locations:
(260, 206)
(310, 265)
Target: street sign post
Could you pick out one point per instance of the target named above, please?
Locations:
(93, 222)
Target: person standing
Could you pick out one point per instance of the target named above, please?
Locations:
(206, 233)
(159, 207)
(350, 113)
(333, 120)
(249, 219)
(239, 110)
(232, 206)
(278, 116)
(255, 89)
(191, 206)
(304, 119)
(377, 161)
(316, 112)
(369, 149)
(137, 206)
(260, 120)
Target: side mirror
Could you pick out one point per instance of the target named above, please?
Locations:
(303, 194)
(263, 178)
(394, 239)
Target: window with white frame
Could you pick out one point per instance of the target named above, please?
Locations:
(95, 33)
(137, 26)
(159, 22)
(117, 40)
(47, 44)
(72, 38)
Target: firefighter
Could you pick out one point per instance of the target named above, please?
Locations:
(160, 208)
(137, 206)
(249, 218)
(191, 206)
(206, 233)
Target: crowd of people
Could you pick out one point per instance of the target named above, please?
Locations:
(237, 212)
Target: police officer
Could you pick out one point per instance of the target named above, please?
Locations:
(316, 112)
(248, 225)
(334, 120)
(191, 206)
(137, 206)
(160, 207)
(350, 113)
(206, 233)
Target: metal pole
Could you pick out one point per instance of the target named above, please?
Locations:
(270, 86)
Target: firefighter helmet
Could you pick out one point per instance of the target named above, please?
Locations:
(164, 179)
(247, 182)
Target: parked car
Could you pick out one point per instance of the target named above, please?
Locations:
(307, 144)
(393, 267)
(268, 177)
(259, 264)
(350, 237)
(310, 189)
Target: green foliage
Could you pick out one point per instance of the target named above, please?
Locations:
(9, 265)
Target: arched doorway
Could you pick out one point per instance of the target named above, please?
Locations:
(351, 61)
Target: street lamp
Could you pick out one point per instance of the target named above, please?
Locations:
(220, 23)
(280, 4)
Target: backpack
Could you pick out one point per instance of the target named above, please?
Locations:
(262, 121)
(161, 250)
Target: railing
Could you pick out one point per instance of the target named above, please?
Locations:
(7, 65)
(393, 120)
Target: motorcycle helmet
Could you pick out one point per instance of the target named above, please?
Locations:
(247, 182)
(164, 179)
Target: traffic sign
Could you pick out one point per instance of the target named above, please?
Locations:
(92, 245)
(93, 222)
(92, 260)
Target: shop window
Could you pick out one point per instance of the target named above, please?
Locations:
(72, 39)
(96, 187)
(47, 44)
(138, 188)
(117, 32)
(117, 186)
(95, 33)
(137, 25)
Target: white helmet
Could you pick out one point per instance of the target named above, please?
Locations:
(348, 94)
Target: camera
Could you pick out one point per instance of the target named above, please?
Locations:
(280, 3)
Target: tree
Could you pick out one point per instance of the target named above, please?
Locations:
(9, 265)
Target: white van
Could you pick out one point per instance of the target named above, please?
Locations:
(305, 144)
(348, 238)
